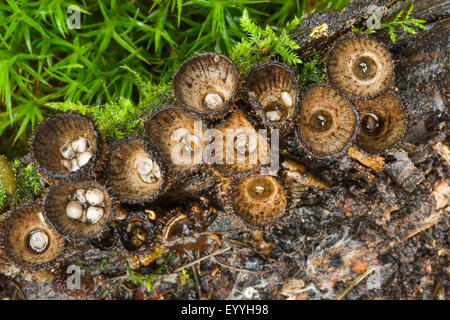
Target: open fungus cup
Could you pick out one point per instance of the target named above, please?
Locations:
(383, 123)
(273, 92)
(328, 122)
(179, 137)
(66, 147)
(136, 171)
(360, 67)
(259, 200)
(137, 233)
(206, 84)
(79, 211)
(28, 241)
(244, 149)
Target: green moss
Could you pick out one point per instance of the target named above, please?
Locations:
(3, 196)
(261, 44)
(27, 186)
(311, 71)
(407, 23)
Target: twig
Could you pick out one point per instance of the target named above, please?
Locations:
(355, 282)
(234, 268)
(203, 258)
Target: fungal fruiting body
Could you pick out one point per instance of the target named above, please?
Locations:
(178, 136)
(328, 122)
(137, 233)
(273, 92)
(136, 172)
(78, 210)
(86, 205)
(206, 84)
(259, 199)
(66, 147)
(244, 149)
(383, 123)
(75, 153)
(360, 67)
(27, 239)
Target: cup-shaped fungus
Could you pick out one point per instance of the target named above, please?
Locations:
(137, 233)
(273, 92)
(383, 123)
(66, 147)
(178, 136)
(79, 211)
(136, 171)
(360, 67)
(328, 122)
(259, 200)
(206, 84)
(28, 241)
(242, 148)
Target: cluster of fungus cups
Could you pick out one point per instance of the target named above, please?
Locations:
(357, 108)
(362, 70)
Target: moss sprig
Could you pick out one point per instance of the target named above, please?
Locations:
(260, 44)
(122, 118)
(311, 71)
(407, 23)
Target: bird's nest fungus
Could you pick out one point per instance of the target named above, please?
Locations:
(89, 188)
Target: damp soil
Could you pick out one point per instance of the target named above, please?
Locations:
(387, 228)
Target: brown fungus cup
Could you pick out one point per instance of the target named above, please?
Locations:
(66, 147)
(360, 67)
(328, 122)
(79, 211)
(206, 84)
(136, 171)
(243, 149)
(383, 123)
(179, 137)
(259, 200)
(273, 91)
(28, 241)
(137, 233)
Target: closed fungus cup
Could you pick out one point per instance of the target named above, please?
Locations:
(66, 147)
(179, 137)
(328, 122)
(136, 171)
(259, 200)
(243, 148)
(360, 67)
(383, 123)
(137, 233)
(206, 84)
(79, 211)
(273, 91)
(28, 241)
